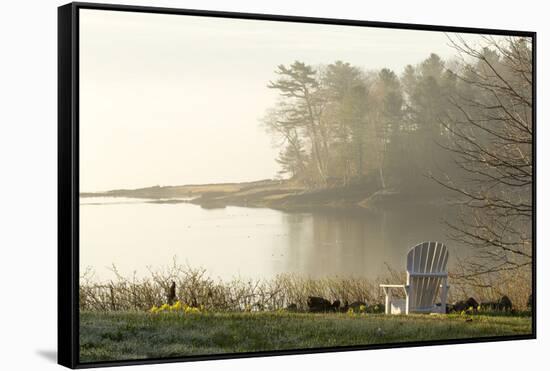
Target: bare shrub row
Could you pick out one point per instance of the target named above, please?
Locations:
(194, 287)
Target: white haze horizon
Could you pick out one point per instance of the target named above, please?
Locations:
(176, 100)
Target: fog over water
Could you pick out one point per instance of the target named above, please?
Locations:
(247, 242)
(173, 100)
(167, 99)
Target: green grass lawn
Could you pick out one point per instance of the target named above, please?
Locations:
(136, 335)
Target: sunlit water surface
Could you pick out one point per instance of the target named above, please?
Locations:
(230, 242)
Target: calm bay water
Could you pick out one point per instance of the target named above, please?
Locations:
(248, 242)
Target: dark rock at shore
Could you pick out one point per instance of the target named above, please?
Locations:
(471, 302)
(345, 307)
(465, 305)
(356, 306)
(317, 304)
(505, 304)
(292, 307)
(502, 305)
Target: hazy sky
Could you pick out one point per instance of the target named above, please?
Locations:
(169, 99)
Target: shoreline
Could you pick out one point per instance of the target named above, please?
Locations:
(283, 195)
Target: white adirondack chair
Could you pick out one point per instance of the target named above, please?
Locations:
(426, 276)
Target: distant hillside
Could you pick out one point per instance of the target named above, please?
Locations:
(180, 191)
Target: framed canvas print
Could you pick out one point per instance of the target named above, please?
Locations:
(237, 185)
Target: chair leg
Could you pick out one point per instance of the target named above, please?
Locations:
(443, 296)
(388, 301)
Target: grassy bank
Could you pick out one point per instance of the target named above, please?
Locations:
(137, 335)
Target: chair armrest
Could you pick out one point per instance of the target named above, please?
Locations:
(387, 285)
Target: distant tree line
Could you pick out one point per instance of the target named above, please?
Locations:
(463, 126)
(338, 124)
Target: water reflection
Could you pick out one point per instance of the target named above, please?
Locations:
(249, 242)
(357, 244)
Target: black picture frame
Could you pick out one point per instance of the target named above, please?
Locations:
(68, 178)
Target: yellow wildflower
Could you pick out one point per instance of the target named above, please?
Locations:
(191, 310)
(154, 309)
(176, 306)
